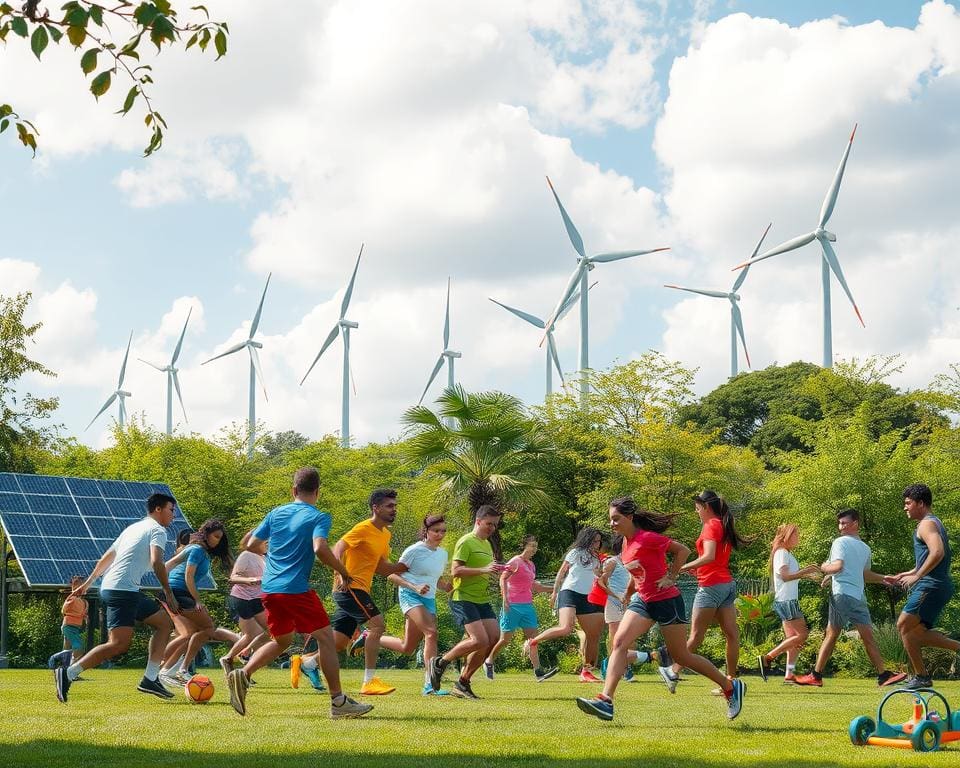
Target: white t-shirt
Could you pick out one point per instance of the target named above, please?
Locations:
(785, 590)
(132, 559)
(581, 575)
(426, 565)
(856, 559)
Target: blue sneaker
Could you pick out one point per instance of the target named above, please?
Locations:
(428, 691)
(628, 674)
(735, 699)
(603, 668)
(596, 707)
(313, 675)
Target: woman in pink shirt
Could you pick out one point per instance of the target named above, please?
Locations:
(656, 601)
(245, 604)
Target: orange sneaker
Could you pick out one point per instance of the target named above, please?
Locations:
(587, 676)
(295, 661)
(376, 687)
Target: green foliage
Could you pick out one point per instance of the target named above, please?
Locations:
(34, 629)
(755, 617)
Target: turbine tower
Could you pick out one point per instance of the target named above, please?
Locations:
(829, 259)
(255, 370)
(447, 354)
(736, 320)
(118, 394)
(172, 381)
(581, 275)
(346, 326)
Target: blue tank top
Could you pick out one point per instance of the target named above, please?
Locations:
(196, 556)
(939, 577)
(619, 577)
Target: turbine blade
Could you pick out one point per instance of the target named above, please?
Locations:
(570, 304)
(256, 318)
(701, 291)
(176, 386)
(230, 351)
(255, 359)
(521, 314)
(564, 297)
(603, 258)
(826, 210)
(571, 230)
(552, 346)
(830, 255)
(346, 297)
(446, 320)
(738, 322)
(123, 368)
(789, 245)
(123, 410)
(353, 381)
(436, 370)
(176, 351)
(152, 365)
(105, 406)
(329, 340)
(743, 275)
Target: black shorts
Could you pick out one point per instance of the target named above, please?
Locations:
(663, 612)
(241, 608)
(465, 612)
(184, 600)
(354, 608)
(568, 598)
(124, 609)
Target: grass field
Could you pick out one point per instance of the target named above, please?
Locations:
(517, 722)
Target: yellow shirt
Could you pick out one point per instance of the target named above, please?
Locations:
(366, 546)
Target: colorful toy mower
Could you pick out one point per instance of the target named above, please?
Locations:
(924, 732)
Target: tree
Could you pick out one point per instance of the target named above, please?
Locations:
(87, 23)
(274, 445)
(23, 419)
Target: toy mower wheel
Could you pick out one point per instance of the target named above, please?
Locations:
(861, 728)
(926, 737)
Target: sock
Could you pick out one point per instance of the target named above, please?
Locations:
(604, 697)
(308, 663)
(426, 672)
(639, 657)
(73, 671)
(791, 668)
(178, 664)
(339, 700)
(443, 663)
(368, 675)
(153, 669)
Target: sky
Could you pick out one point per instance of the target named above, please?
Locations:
(424, 130)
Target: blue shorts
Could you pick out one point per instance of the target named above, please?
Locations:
(715, 596)
(520, 616)
(72, 635)
(664, 612)
(409, 599)
(788, 610)
(927, 603)
(124, 609)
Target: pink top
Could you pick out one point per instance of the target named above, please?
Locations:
(247, 564)
(649, 549)
(520, 582)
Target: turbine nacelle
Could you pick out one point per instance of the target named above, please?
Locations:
(451, 353)
(348, 324)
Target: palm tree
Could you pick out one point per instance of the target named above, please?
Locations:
(490, 456)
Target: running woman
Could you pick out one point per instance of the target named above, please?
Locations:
(297, 534)
(474, 559)
(426, 560)
(570, 589)
(137, 551)
(930, 583)
(657, 601)
(246, 605)
(786, 574)
(518, 584)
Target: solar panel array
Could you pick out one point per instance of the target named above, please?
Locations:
(58, 527)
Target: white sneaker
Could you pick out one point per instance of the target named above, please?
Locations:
(669, 679)
(348, 708)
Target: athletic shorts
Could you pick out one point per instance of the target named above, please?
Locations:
(244, 608)
(354, 608)
(663, 612)
(184, 600)
(465, 612)
(568, 598)
(303, 613)
(846, 609)
(788, 610)
(716, 596)
(613, 610)
(927, 603)
(520, 616)
(125, 609)
(72, 635)
(409, 599)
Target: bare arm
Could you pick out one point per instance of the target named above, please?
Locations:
(810, 571)
(459, 569)
(396, 578)
(190, 579)
(174, 561)
(331, 559)
(561, 575)
(708, 556)
(102, 564)
(386, 568)
(160, 571)
(503, 588)
(829, 568)
(679, 554)
(930, 535)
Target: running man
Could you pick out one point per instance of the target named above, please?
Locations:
(138, 550)
(930, 583)
(848, 568)
(296, 533)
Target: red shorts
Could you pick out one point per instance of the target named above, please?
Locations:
(303, 613)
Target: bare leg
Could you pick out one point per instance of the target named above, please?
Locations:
(631, 627)
(411, 636)
(487, 635)
(568, 617)
(700, 621)
(673, 638)
(505, 639)
(118, 641)
(870, 645)
(529, 633)
(916, 636)
(795, 634)
(592, 625)
(826, 648)
(371, 647)
(727, 618)
(161, 625)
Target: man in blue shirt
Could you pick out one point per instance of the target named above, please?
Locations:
(297, 533)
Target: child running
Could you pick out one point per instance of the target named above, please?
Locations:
(297, 534)
(518, 584)
(246, 605)
(657, 601)
(74, 611)
(426, 560)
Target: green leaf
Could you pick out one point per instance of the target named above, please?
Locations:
(27, 138)
(4, 124)
(128, 102)
(76, 16)
(96, 13)
(161, 30)
(88, 62)
(200, 8)
(148, 119)
(191, 41)
(5, 109)
(204, 39)
(145, 14)
(19, 25)
(38, 41)
(163, 6)
(76, 35)
(220, 41)
(100, 84)
(55, 34)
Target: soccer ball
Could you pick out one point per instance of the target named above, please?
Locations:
(199, 689)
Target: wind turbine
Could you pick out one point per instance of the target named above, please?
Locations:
(346, 325)
(736, 321)
(447, 354)
(255, 370)
(118, 394)
(829, 259)
(552, 358)
(172, 381)
(581, 274)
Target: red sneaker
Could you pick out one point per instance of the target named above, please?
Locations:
(808, 679)
(587, 676)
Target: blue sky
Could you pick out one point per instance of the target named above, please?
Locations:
(434, 155)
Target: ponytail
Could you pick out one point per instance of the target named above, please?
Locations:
(720, 508)
(642, 518)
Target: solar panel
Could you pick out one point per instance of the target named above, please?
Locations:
(58, 527)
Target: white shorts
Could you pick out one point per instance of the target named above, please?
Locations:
(613, 610)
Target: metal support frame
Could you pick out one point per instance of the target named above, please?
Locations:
(4, 605)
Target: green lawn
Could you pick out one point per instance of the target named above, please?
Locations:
(518, 722)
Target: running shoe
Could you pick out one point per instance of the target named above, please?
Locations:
(628, 675)
(226, 664)
(917, 682)
(313, 675)
(296, 665)
(154, 688)
(488, 670)
(811, 678)
(62, 682)
(182, 676)
(597, 707)
(664, 657)
(60, 659)
(357, 645)
(545, 674)
(237, 683)
(764, 666)
(437, 668)
(463, 690)
(603, 668)
(890, 678)
(669, 679)
(348, 708)
(735, 699)
(587, 676)
(376, 687)
(170, 679)
(428, 691)
(789, 678)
